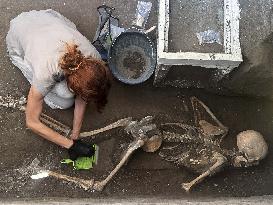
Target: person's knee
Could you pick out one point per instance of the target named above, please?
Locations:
(61, 90)
(56, 102)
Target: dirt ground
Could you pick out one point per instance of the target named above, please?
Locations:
(145, 174)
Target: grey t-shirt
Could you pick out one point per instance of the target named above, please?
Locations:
(41, 36)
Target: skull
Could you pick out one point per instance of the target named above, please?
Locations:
(252, 148)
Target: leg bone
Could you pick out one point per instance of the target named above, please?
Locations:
(85, 184)
(194, 99)
(219, 163)
(120, 123)
(98, 186)
(197, 116)
(58, 126)
(52, 120)
(10, 102)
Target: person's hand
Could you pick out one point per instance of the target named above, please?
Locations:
(74, 136)
(80, 149)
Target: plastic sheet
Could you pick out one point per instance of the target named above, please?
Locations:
(142, 13)
(208, 37)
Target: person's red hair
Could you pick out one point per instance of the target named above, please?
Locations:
(86, 76)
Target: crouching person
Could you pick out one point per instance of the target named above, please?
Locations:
(63, 69)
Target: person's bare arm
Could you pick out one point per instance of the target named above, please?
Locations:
(79, 110)
(33, 112)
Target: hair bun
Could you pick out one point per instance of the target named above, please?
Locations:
(72, 59)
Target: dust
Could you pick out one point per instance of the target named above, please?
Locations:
(18, 179)
(132, 63)
(31, 168)
(12, 102)
(121, 145)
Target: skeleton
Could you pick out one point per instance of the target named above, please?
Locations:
(196, 147)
